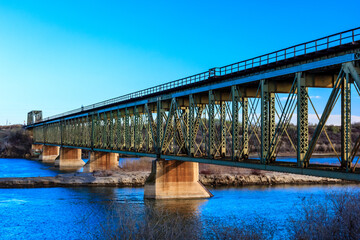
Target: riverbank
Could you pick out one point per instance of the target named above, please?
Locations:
(15, 142)
(137, 179)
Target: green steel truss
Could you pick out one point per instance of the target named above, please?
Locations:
(237, 123)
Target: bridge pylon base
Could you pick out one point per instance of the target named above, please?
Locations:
(102, 161)
(70, 158)
(36, 149)
(49, 153)
(174, 180)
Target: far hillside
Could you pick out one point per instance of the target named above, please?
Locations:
(15, 141)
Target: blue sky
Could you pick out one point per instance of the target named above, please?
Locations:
(58, 55)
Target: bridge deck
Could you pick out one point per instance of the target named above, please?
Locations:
(325, 46)
(198, 118)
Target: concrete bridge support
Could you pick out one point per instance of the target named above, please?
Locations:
(174, 180)
(70, 158)
(36, 149)
(102, 161)
(49, 154)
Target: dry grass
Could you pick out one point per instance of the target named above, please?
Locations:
(15, 142)
(144, 164)
(134, 221)
(216, 169)
(134, 164)
(337, 217)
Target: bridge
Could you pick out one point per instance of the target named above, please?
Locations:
(230, 115)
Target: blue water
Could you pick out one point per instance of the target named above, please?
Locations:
(77, 213)
(317, 160)
(28, 168)
(73, 213)
(25, 168)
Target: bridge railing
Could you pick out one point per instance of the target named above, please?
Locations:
(350, 36)
(338, 39)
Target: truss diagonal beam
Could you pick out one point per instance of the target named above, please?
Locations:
(329, 106)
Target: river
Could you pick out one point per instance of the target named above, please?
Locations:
(76, 213)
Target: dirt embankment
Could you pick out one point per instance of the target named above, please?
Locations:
(137, 179)
(15, 142)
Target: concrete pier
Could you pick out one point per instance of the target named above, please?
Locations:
(49, 153)
(102, 161)
(70, 158)
(174, 180)
(36, 149)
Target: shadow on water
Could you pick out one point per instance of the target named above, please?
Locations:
(185, 207)
(85, 213)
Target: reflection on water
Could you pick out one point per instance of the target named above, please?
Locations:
(80, 213)
(73, 213)
(187, 207)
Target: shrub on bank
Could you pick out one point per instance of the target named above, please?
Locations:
(134, 221)
(15, 142)
(337, 217)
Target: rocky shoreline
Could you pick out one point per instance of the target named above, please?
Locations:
(137, 179)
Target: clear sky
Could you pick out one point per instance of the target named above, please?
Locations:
(58, 55)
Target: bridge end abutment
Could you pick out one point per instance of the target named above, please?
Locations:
(102, 161)
(174, 180)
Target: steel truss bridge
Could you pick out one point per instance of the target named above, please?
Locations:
(230, 115)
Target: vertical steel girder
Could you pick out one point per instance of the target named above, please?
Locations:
(111, 130)
(174, 127)
(88, 130)
(92, 135)
(118, 130)
(302, 120)
(235, 123)
(345, 122)
(132, 132)
(159, 126)
(271, 156)
(104, 132)
(96, 131)
(223, 128)
(211, 127)
(142, 135)
(191, 123)
(245, 129)
(136, 137)
(266, 120)
(127, 130)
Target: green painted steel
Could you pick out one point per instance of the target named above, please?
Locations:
(302, 120)
(345, 121)
(245, 130)
(211, 126)
(232, 125)
(235, 143)
(265, 121)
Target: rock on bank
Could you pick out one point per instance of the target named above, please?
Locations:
(137, 179)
